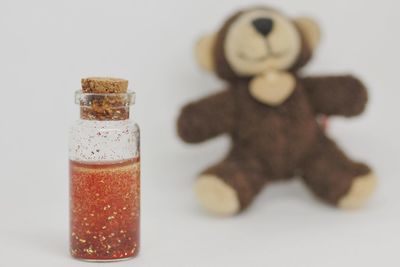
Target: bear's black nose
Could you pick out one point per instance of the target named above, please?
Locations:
(263, 25)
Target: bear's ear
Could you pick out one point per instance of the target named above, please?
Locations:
(310, 30)
(204, 52)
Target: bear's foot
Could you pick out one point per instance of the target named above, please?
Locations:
(216, 196)
(360, 190)
(335, 178)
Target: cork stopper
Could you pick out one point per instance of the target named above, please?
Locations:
(103, 85)
(106, 99)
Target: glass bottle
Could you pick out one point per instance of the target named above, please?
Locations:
(104, 173)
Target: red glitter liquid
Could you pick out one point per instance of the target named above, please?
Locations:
(105, 210)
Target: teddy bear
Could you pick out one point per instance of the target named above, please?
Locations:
(270, 112)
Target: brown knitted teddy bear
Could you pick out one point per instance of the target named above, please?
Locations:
(270, 113)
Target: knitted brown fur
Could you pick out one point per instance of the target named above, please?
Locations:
(275, 142)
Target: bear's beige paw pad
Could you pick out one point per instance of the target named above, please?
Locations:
(273, 88)
(360, 191)
(216, 196)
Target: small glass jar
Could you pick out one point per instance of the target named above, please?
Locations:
(104, 178)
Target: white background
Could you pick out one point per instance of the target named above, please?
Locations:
(47, 46)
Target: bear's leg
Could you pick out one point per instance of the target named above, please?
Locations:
(228, 187)
(333, 177)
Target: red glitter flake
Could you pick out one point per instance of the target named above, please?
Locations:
(105, 209)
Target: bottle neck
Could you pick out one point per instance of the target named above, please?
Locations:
(104, 107)
(104, 113)
(104, 99)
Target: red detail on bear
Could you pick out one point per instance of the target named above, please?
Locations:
(323, 121)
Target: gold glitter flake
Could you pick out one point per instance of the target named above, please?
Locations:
(89, 250)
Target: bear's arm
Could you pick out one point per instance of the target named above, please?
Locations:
(336, 95)
(207, 118)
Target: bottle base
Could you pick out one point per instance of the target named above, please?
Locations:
(105, 260)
